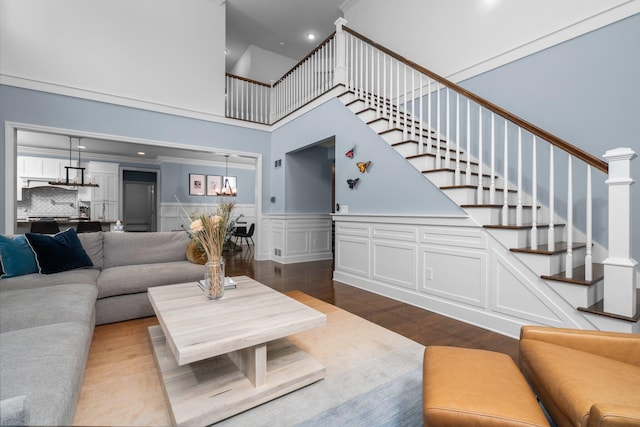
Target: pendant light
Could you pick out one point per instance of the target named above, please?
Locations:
(227, 190)
(67, 181)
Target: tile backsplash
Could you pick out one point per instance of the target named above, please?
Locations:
(48, 201)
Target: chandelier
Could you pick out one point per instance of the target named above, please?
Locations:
(76, 182)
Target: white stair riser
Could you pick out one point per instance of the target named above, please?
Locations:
(493, 216)
(367, 115)
(429, 162)
(578, 295)
(550, 264)
(447, 178)
(522, 238)
(469, 196)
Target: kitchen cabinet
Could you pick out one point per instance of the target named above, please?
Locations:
(105, 198)
(104, 211)
(38, 171)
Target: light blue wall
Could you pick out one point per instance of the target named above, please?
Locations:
(587, 92)
(309, 182)
(388, 187)
(175, 181)
(40, 108)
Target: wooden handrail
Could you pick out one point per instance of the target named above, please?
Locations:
(247, 80)
(597, 163)
(325, 41)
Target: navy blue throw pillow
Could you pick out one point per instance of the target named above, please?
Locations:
(60, 252)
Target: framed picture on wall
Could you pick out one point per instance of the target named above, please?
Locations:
(196, 184)
(214, 185)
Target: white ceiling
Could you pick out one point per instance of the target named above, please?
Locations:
(267, 24)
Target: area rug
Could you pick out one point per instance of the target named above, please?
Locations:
(373, 377)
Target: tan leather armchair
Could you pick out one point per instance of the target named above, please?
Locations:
(583, 378)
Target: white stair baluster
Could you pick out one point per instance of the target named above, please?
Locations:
(438, 158)
(398, 94)
(480, 190)
(534, 195)
(588, 261)
(391, 102)
(413, 105)
(505, 179)
(456, 176)
(519, 204)
(447, 153)
(569, 260)
(421, 121)
(384, 86)
(378, 83)
(429, 119)
(406, 96)
(551, 236)
(467, 179)
(492, 186)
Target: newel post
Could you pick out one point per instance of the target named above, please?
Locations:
(619, 267)
(340, 72)
(273, 102)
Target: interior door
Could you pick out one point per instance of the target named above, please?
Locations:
(139, 208)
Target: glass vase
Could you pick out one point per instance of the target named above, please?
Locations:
(214, 279)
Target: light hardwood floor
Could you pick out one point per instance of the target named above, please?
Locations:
(126, 347)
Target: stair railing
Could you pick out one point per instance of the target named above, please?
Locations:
(453, 119)
(459, 125)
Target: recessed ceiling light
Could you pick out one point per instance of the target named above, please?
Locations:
(82, 147)
(281, 43)
(141, 153)
(226, 51)
(311, 36)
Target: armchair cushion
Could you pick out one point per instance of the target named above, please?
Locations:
(611, 415)
(569, 382)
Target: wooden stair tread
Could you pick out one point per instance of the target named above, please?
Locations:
(544, 249)
(520, 227)
(598, 308)
(453, 171)
(486, 205)
(417, 156)
(578, 275)
(474, 187)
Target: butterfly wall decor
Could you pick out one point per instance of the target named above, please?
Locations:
(363, 166)
(351, 152)
(353, 182)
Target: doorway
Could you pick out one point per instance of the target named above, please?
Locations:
(139, 201)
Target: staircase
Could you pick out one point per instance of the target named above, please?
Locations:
(482, 194)
(482, 157)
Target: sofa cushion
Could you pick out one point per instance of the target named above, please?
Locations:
(34, 281)
(14, 411)
(130, 279)
(16, 257)
(27, 308)
(144, 248)
(573, 380)
(46, 364)
(92, 245)
(60, 252)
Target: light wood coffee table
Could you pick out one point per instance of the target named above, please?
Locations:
(219, 358)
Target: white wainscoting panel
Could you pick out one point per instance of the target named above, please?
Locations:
(450, 266)
(395, 263)
(456, 274)
(298, 237)
(353, 255)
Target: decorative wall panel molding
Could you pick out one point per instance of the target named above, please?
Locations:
(448, 266)
(298, 237)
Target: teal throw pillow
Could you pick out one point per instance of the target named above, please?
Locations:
(60, 252)
(16, 257)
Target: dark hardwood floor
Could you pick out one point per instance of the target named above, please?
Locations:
(315, 279)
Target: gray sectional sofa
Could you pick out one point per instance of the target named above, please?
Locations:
(47, 320)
